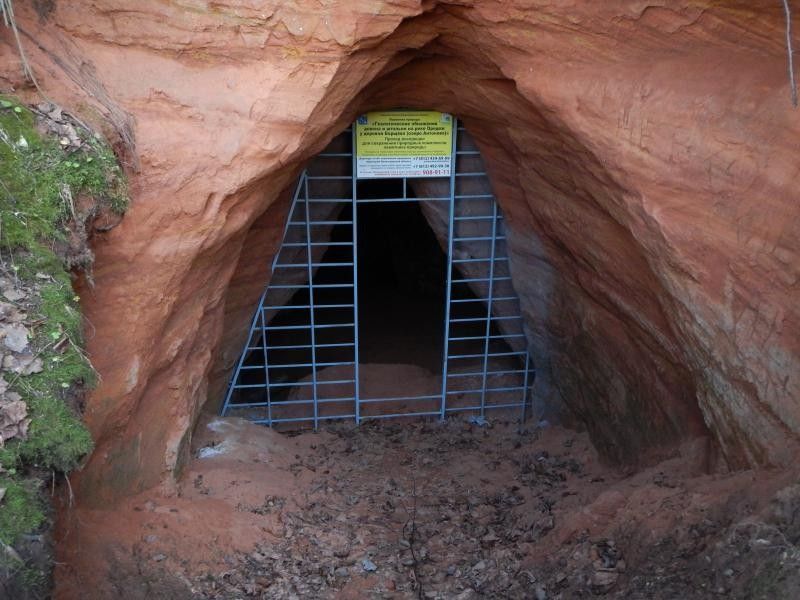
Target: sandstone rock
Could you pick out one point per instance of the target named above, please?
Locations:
(647, 183)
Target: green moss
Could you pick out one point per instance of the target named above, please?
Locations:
(22, 510)
(37, 180)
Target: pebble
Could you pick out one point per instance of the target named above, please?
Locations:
(368, 565)
(603, 581)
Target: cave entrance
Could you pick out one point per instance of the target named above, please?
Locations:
(391, 294)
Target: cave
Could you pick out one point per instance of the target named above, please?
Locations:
(643, 158)
(402, 277)
(390, 296)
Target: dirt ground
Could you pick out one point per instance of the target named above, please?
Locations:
(430, 510)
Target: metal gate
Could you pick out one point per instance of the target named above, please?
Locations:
(301, 360)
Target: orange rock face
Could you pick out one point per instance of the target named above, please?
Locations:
(645, 158)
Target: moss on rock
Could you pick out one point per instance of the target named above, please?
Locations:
(45, 185)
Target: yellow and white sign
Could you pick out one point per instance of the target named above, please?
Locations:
(403, 143)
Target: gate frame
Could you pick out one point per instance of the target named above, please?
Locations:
(527, 370)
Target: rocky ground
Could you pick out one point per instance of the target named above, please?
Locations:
(428, 510)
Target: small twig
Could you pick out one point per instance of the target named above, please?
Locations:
(788, 12)
(412, 537)
(7, 8)
(66, 195)
(69, 487)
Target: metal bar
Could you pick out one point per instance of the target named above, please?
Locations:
(307, 346)
(525, 388)
(463, 408)
(304, 365)
(300, 185)
(399, 398)
(330, 200)
(266, 363)
(491, 337)
(497, 299)
(294, 384)
(319, 285)
(489, 309)
(474, 260)
(311, 311)
(488, 389)
(294, 402)
(451, 223)
(356, 368)
(312, 223)
(300, 419)
(242, 356)
(489, 373)
(506, 318)
(335, 305)
(293, 266)
(378, 200)
(474, 218)
(389, 416)
(499, 238)
(300, 327)
(268, 307)
(481, 279)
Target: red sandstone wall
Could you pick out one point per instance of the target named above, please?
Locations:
(645, 157)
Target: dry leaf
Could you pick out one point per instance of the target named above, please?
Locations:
(13, 420)
(22, 364)
(13, 295)
(15, 336)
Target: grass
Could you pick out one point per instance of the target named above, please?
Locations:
(37, 179)
(34, 175)
(22, 511)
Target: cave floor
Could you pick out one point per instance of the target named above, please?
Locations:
(421, 509)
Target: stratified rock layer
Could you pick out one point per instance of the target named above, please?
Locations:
(644, 157)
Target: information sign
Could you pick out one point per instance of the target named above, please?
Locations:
(403, 143)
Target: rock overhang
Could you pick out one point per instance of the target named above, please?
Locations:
(647, 274)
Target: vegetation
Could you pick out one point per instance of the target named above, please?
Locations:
(40, 184)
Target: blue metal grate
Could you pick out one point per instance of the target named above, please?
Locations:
(301, 361)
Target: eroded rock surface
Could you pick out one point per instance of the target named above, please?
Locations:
(644, 156)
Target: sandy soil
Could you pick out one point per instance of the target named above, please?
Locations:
(431, 510)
